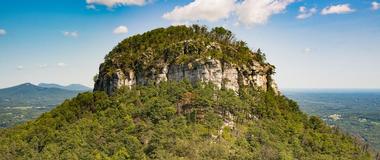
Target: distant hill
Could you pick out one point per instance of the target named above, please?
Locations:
(28, 94)
(72, 87)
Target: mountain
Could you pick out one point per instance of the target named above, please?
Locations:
(179, 53)
(181, 93)
(28, 94)
(77, 87)
(72, 87)
(27, 101)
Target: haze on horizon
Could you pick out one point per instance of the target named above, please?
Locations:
(313, 44)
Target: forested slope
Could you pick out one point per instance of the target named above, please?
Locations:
(176, 120)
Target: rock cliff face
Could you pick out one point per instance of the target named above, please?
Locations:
(179, 53)
(221, 74)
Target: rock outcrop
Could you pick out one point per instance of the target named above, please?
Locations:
(221, 74)
(179, 53)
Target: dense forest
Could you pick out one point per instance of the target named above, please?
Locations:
(177, 120)
(152, 48)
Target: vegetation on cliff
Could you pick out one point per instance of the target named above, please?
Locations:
(180, 45)
(177, 120)
(182, 52)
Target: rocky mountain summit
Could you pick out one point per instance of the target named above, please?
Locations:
(163, 112)
(198, 56)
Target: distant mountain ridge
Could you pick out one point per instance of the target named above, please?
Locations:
(72, 87)
(28, 94)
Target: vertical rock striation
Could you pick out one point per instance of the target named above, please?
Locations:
(178, 53)
(221, 74)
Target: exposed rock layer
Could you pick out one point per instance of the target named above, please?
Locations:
(211, 70)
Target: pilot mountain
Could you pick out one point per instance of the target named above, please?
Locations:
(182, 92)
(180, 53)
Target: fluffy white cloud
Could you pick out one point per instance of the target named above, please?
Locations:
(61, 64)
(210, 10)
(20, 67)
(91, 7)
(305, 12)
(337, 9)
(120, 30)
(249, 12)
(307, 50)
(252, 12)
(2, 32)
(43, 66)
(113, 3)
(70, 34)
(375, 5)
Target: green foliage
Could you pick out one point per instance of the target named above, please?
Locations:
(175, 120)
(178, 44)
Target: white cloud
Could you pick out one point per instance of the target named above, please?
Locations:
(252, 12)
(61, 64)
(2, 32)
(249, 12)
(20, 67)
(70, 34)
(113, 3)
(210, 10)
(91, 7)
(307, 50)
(337, 9)
(43, 66)
(375, 5)
(305, 12)
(120, 30)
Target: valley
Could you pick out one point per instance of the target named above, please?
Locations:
(28, 101)
(354, 111)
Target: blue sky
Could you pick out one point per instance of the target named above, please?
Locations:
(313, 43)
